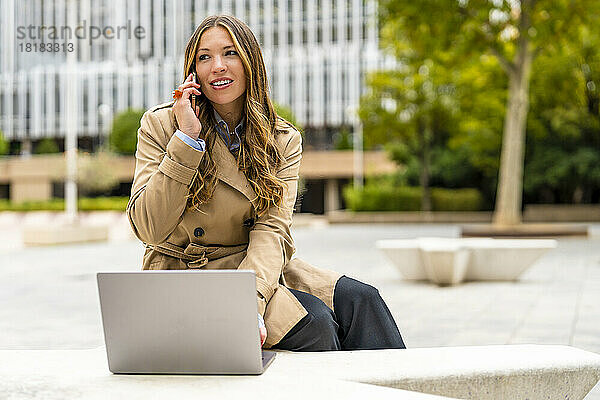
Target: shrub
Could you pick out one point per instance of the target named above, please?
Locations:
(123, 133)
(48, 205)
(3, 145)
(103, 203)
(83, 204)
(456, 199)
(343, 140)
(287, 114)
(382, 197)
(46, 146)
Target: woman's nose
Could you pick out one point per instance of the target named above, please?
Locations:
(218, 65)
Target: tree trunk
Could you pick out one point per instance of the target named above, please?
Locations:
(510, 182)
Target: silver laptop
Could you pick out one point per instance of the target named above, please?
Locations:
(181, 322)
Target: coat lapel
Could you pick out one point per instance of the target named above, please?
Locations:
(228, 172)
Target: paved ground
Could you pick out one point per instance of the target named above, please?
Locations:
(48, 295)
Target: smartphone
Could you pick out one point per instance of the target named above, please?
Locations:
(194, 99)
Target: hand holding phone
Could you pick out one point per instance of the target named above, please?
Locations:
(186, 108)
(195, 98)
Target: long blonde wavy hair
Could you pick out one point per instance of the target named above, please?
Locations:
(258, 156)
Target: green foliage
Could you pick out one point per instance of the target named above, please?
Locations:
(83, 204)
(4, 146)
(454, 31)
(286, 113)
(343, 140)
(46, 146)
(383, 198)
(466, 119)
(103, 204)
(412, 109)
(378, 197)
(414, 106)
(48, 205)
(558, 175)
(563, 154)
(481, 97)
(123, 133)
(455, 58)
(466, 199)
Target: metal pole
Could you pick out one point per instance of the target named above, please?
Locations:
(70, 115)
(9, 61)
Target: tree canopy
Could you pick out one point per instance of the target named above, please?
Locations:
(123, 134)
(482, 57)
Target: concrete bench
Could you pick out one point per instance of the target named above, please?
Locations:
(477, 372)
(452, 260)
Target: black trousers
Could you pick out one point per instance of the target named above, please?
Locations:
(360, 320)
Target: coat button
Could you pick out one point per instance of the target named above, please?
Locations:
(198, 232)
(249, 222)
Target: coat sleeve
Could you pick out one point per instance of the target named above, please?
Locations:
(164, 169)
(271, 245)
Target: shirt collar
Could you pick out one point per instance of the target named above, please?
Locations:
(221, 123)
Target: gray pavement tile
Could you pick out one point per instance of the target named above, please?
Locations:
(48, 295)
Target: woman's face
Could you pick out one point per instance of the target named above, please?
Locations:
(219, 68)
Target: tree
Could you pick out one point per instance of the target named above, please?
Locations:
(562, 162)
(418, 99)
(513, 31)
(123, 133)
(411, 109)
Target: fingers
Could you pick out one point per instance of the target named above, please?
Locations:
(186, 85)
(189, 85)
(263, 335)
(187, 92)
(187, 88)
(189, 81)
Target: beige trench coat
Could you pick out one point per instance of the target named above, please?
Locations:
(226, 233)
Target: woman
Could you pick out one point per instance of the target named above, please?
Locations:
(215, 184)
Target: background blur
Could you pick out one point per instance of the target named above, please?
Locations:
(421, 91)
(411, 112)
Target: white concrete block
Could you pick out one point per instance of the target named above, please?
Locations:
(84, 374)
(54, 234)
(476, 372)
(450, 260)
(445, 262)
(405, 256)
(504, 259)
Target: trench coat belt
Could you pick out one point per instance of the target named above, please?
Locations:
(196, 255)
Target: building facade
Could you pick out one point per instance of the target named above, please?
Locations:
(129, 54)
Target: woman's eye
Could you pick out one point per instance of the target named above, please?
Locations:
(231, 53)
(202, 57)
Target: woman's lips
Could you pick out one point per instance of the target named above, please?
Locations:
(221, 87)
